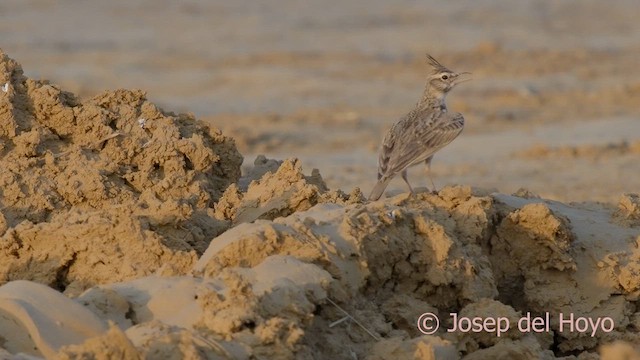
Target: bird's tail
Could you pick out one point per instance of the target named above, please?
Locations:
(377, 191)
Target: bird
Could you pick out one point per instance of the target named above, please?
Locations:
(418, 135)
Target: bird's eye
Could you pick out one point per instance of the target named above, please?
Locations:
(444, 77)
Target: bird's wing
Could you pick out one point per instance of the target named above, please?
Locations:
(416, 143)
(388, 144)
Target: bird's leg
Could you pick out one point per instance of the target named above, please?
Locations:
(404, 177)
(428, 163)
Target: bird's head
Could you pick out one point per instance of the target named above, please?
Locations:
(441, 80)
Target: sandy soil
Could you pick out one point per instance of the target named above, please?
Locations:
(130, 231)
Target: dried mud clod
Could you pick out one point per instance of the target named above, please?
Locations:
(275, 189)
(59, 152)
(60, 155)
(628, 211)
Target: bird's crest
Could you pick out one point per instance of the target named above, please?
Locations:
(437, 67)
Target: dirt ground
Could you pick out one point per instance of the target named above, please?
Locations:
(219, 212)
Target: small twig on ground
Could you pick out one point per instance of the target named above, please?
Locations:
(339, 321)
(348, 316)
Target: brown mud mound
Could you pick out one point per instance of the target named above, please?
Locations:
(393, 260)
(105, 189)
(346, 281)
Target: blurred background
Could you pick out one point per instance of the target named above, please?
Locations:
(554, 105)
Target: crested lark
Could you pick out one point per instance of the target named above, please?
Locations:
(422, 132)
